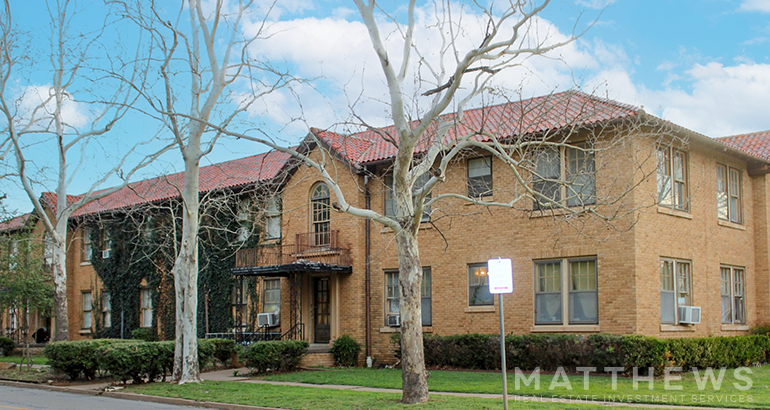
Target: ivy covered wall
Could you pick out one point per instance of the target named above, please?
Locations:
(143, 244)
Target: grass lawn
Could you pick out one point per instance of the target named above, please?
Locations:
(314, 398)
(26, 375)
(600, 387)
(17, 359)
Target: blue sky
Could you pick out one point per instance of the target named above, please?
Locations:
(702, 64)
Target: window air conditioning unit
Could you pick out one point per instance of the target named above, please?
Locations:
(394, 320)
(106, 254)
(689, 315)
(268, 319)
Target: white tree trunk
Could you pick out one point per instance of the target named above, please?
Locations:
(414, 375)
(186, 279)
(60, 306)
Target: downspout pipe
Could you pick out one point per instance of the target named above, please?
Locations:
(368, 280)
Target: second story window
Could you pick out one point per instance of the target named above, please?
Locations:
(320, 215)
(390, 200)
(565, 175)
(729, 195)
(672, 178)
(87, 247)
(273, 217)
(479, 177)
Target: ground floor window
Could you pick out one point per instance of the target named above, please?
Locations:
(675, 288)
(566, 292)
(88, 309)
(271, 301)
(147, 311)
(393, 300)
(106, 310)
(733, 280)
(478, 286)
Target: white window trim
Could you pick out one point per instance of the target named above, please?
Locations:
(733, 320)
(675, 262)
(670, 152)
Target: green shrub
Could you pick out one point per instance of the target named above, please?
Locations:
(469, 351)
(546, 351)
(224, 350)
(143, 334)
(138, 361)
(275, 356)
(644, 352)
(605, 351)
(345, 350)
(6, 346)
(763, 330)
(76, 358)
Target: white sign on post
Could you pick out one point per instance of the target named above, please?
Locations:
(500, 276)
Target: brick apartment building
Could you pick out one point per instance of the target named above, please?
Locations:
(689, 229)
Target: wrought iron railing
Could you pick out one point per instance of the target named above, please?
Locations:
(309, 247)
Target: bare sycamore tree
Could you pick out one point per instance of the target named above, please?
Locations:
(71, 116)
(208, 80)
(531, 140)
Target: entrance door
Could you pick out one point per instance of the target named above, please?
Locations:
(322, 330)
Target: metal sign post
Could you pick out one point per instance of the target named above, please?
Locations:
(501, 281)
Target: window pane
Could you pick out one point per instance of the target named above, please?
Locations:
(667, 276)
(735, 195)
(548, 277)
(426, 307)
(582, 275)
(272, 295)
(479, 167)
(725, 289)
(683, 284)
(547, 175)
(581, 177)
(665, 196)
(548, 308)
(721, 192)
(478, 286)
(583, 307)
(667, 307)
(391, 284)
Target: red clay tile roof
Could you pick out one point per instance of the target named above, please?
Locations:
(755, 143)
(244, 171)
(531, 116)
(14, 223)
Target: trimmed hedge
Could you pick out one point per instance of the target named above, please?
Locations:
(7, 346)
(276, 356)
(128, 359)
(551, 351)
(345, 350)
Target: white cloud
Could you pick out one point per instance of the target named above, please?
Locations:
(755, 5)
(37, 100)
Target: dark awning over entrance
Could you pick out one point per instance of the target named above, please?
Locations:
(287, 269)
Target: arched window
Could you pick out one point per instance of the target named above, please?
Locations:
(319, 213)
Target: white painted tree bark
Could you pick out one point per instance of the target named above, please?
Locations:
(24, 132)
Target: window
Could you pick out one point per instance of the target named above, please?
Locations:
(565, 174)
(47, 250)
(733, 295)
(240, 300)
(672, 178)
(87, 248)
(271, 302)
(88, 308)
(393, 300)
(579, 304)
(147, 310)
(729, 194)
(106, 309)
(478, 286)
(319, 210)
(273, 218)
(479, 177)
(243, 216)
(390, 201)
(675, 289)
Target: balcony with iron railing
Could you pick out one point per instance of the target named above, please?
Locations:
(319, 248)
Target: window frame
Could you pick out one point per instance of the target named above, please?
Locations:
(87, 247)
(734, 299)
(87, 310)
(681, 201)
(106, 309)
(425, 288)
(275, 290)
(471, 292)
(676, 290)
(146, 309)
(486, 180)
(389, 206)
(273, 214)
(730, 190)
(565, 292)
(564, 184)
(320, 215)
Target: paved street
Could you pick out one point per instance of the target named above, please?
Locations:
(16, 398)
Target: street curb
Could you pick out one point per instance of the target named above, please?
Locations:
(136, 397)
